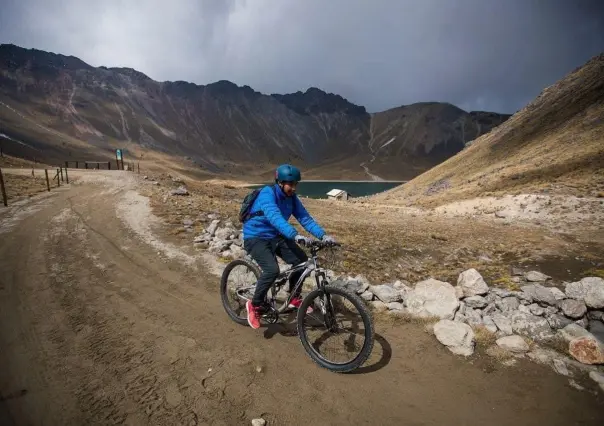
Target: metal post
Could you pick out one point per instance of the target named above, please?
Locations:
(47, 181)
(3, 189)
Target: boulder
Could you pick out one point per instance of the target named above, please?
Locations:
(558, 294)
(590, 290)
(490, 309)
(540, 293)
(356, 285)
(536, 276)
(587, 350)
(456, 336)
(513, 343)
(395, 306)
(477, 302)
(472, 283)
(432, 298)
(535, 309)
(473, 317)
(367, 296)
(573, 331)
(503, 323)
(597, 329)
(507, 304)
(573, 308)
(224, 233)
(181, 190)
(386, 293)
(237, 252)
(557, 322)
(531, 325)
(211, 230)
(595, 315)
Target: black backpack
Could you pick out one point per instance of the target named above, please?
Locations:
(246, 205)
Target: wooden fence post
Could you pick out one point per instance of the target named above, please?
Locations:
(61, 168)
(66, 175)
(3, 189)
(58, 179)
(47, 181)
(138, 168)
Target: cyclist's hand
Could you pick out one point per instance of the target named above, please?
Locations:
(328, 239)
(303, 241)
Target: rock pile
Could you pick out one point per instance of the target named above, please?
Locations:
(520, 320)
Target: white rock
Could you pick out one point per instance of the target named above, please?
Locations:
(507, 304)
(432, 298)
(536, 276)
(472, 283)
(489, 324)
(540, 293)
(237, 252)
(211, 230)
(573, 331)
(535, 309)
(473, 317)
(258, 422)
(590, 290)
(503, 323)
(573, 308)
(558, 294)
(386, 293)
(513, 343)
(476, 302)
(367, 295)
(531, 325)
(378, 305)
(456, 336)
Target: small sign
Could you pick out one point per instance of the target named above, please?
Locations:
(118, 154)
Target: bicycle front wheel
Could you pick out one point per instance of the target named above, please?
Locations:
(338, 335)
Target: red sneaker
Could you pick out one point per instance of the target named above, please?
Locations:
(296, 302)
(253, 315)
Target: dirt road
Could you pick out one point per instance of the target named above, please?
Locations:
(100, 323)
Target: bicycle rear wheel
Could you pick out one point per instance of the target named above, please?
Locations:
(237, 285)
(338, 323)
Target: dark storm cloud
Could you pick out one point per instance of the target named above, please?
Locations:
(489, 55)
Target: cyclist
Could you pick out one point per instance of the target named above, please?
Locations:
(267, 234)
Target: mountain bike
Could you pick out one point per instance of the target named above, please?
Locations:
(333, 307)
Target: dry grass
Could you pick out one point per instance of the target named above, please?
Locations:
(500, 354)
(484, 338)
(385, 244)
(18, 186)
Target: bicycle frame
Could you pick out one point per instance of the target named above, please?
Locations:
(307, 268)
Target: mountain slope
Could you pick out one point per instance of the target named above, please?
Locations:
(56, 104)
(554, 144)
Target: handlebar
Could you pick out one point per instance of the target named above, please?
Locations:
(318, 244)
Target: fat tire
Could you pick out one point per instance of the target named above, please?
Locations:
(367, 321)
(223, 287)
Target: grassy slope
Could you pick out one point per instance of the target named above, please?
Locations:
(555, 143)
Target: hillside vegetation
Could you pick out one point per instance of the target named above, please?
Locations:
(554, 145)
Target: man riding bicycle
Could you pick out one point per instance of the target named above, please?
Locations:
(268, 234)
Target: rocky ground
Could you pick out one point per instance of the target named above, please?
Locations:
(508, 309)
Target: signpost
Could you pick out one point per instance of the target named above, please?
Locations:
(119, 157)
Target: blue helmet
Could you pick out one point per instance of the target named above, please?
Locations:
(287, 173)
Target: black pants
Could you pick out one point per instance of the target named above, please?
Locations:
(264, 252)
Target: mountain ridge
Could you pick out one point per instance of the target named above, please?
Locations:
(218, 123)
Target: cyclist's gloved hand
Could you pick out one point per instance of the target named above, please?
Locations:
(303, 241)
(328, 239)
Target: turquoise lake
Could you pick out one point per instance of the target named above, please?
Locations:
(319, 189)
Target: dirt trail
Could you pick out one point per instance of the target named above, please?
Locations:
(98, 326)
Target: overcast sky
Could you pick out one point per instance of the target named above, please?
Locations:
(478, 54)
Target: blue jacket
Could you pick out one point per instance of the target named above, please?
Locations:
(278, 208)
